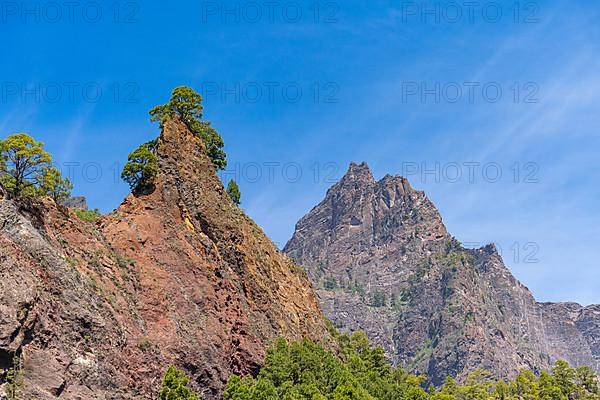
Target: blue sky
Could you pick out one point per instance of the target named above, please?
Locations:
(307, 87)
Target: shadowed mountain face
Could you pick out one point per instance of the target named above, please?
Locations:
(180, 275)
(382, 261)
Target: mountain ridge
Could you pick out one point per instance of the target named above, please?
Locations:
(382, 261)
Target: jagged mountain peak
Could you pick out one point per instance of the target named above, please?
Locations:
(361, 172)
(383, 262)
(360, 177)
(359, 180)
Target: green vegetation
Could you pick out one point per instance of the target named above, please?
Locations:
(186, 104)
(145, 344)
(23, 162)
(330, 283)
(378, 299)
(141, 167)
(358, 288)
(54, 185)
(233, 190)
(123, 262)
(87, 215)
(306, 371)
(175, 386)
(453, 245)
(14, 380)
(26, 169)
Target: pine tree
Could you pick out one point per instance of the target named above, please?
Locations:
(356, 371)
(186, 104)
(26, 169)
(175, 386)
(587, 382)
(141, 167)
(564, 377)
(548, 389)
(23, 161)
(54, 185)
(233, 190)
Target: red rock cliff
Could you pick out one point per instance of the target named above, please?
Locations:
(180, 275)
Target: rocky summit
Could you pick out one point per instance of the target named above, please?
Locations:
(178, 275)
(382, 261)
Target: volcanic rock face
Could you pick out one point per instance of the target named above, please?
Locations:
(75, 202)
(382, 261)
(179, 275)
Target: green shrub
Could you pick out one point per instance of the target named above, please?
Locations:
(330, 283)
(26, 169)
(87, 215)
(144, 344)
(141, 167)
(378, 299)
(233, 190)
(356, 371)
(175, 386)
(186, 104)
(14, 381)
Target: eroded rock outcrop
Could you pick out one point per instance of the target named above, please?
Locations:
(382, 261)
(79, 202)
(179, 275)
